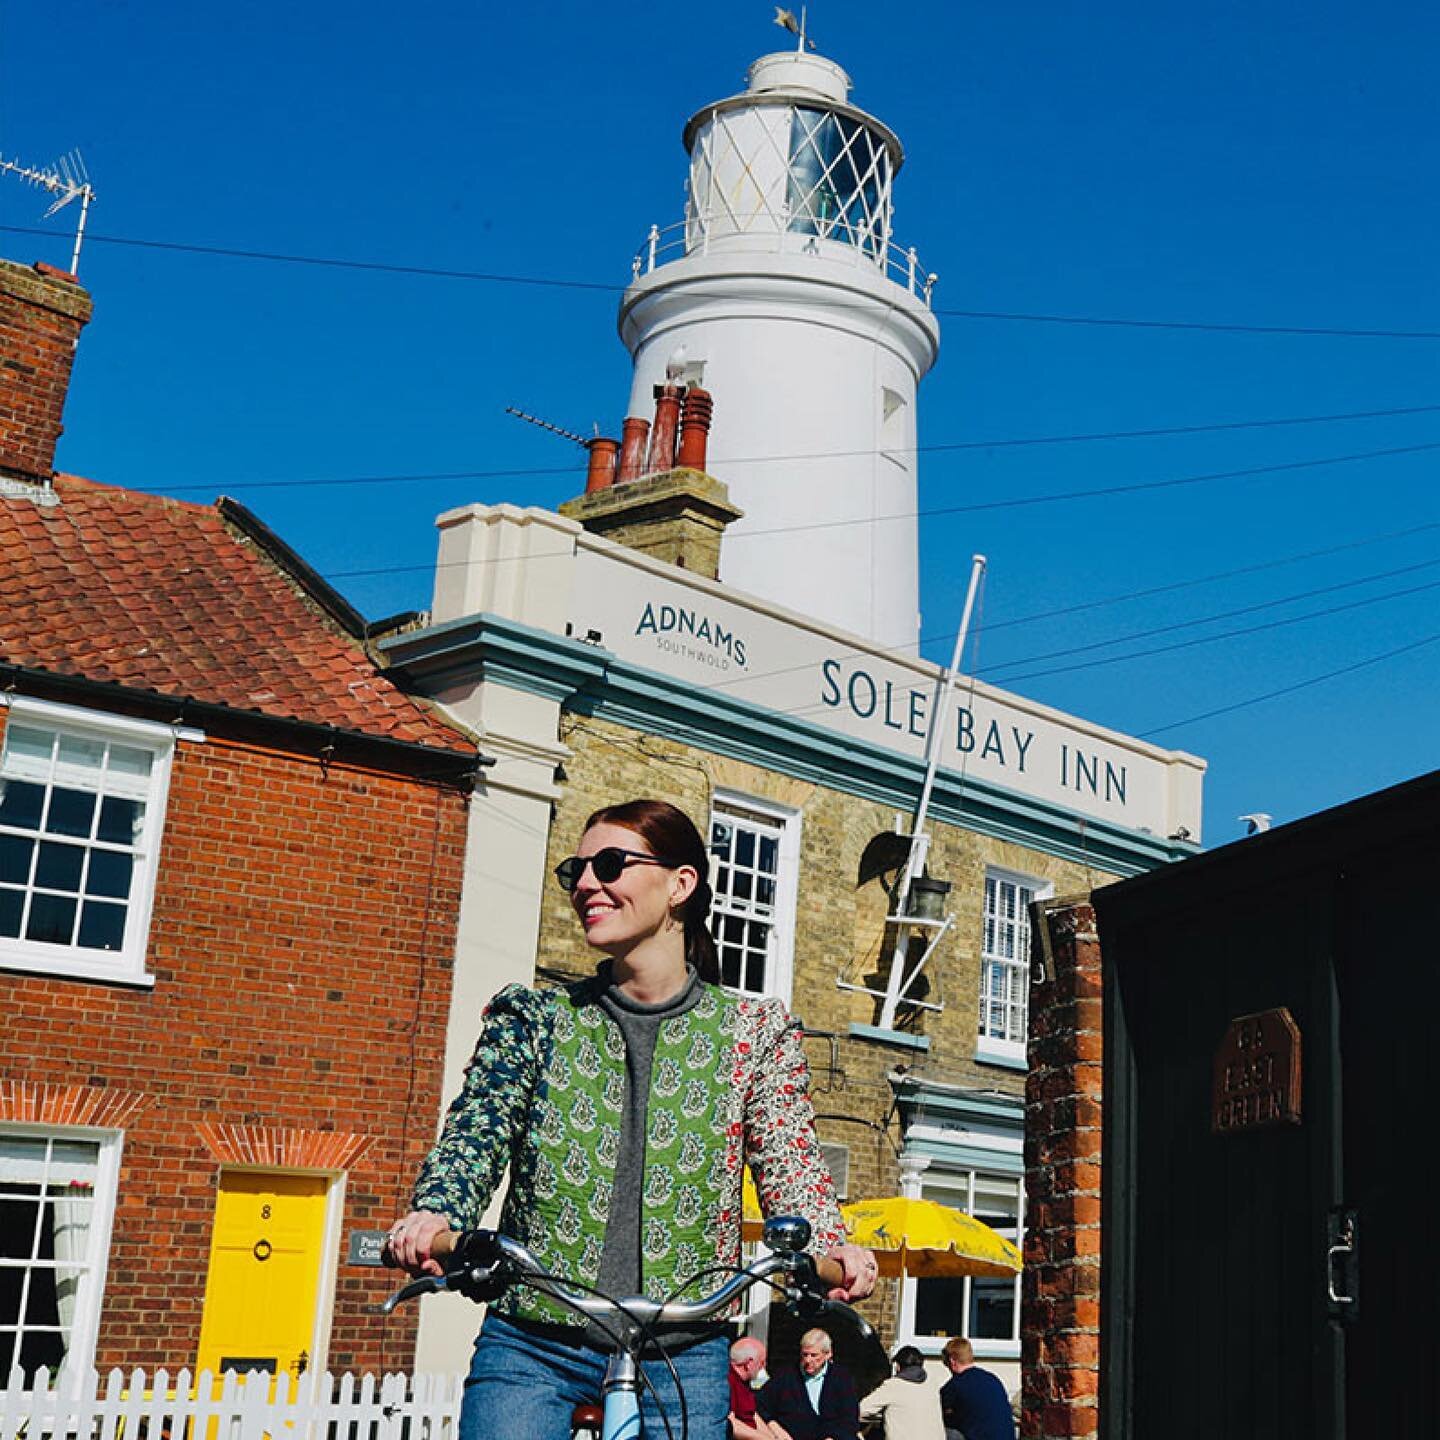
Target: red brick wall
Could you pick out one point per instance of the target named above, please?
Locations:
(302, 937)
(41, 316)
(1060, 1288)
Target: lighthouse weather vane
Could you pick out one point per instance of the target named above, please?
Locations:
(786, 20)
(67, 180)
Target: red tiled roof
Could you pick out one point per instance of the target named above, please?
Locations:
(159, 594)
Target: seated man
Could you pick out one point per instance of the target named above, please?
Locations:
(747, 1360)
(816, 1402)
(974, 1401)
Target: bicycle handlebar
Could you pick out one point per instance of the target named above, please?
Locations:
(486, 1259)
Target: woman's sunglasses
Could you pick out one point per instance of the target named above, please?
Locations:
(607, 865)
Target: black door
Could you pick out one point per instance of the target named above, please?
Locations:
(1216, 1320)
(1284, 1280)
(1389, 985)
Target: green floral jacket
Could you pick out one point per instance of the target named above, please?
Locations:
(544, 1092)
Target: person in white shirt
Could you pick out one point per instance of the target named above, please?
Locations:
(908, 1402)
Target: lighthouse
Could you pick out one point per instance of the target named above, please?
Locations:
(785, 295)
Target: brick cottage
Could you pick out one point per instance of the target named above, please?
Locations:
(230, 864)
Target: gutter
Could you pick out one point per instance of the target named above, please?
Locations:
(328, 744)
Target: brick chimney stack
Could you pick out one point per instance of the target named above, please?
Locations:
(42, 311)
(662, 504)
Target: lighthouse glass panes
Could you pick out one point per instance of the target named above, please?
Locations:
(839, 173)
(1005, 966)
(789, 172)
(753, 877)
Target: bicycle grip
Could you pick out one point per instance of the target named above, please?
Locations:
(830, 1273)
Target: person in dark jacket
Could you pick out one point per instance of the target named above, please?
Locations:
(973, 1401)
(817, 1401)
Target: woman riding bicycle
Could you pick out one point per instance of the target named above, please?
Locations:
(627, 1106)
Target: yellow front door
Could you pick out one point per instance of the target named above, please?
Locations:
(264, 1273)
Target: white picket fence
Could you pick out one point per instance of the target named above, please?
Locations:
(72, 1406)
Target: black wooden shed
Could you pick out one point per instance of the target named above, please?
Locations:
(1270, 1225)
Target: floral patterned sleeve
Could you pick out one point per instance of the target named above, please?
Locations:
(791, 1175)
(483, 1123)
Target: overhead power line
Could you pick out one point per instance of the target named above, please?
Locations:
(937, 447)
(1223, 635)
(1239, 570)
(558, 283)
(988, 672)
(1016, 503)
(1291, 689)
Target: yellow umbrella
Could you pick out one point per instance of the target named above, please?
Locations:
(923, 1237)
(752, 1222)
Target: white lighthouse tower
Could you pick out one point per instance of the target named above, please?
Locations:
(783, 294)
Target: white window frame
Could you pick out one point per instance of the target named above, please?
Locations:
(780, 952)
(996, 1049)
(125, 966)
(86, 1324)
(960, 1178)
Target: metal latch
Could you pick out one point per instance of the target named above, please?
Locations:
(1342, 1262)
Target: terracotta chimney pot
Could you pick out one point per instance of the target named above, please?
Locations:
(695, 428)
(667, 428)
(633, 431)
(601, 473)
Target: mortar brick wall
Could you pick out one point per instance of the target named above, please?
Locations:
(1060, 1308)
(839, 932)
(42, 312)
(301, 942)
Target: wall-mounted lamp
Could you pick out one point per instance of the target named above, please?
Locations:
(927, 898)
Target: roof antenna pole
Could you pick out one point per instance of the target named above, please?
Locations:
(897, 982)
(67, 179)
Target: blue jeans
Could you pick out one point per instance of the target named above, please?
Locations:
(523, 1386)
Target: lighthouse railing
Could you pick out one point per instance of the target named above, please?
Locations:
(694, 237)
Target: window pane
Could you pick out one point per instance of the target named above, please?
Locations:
(27, 752)
(992, 1309)
(109, 874)
(120, 820)
(127, 760)
(80, 758)
(939, 1307)
(21, 804)
(15, 853)
(102, 927)
(59, 867)
(18, 1218)
(12, 908)
(52, 919)
(71, 812)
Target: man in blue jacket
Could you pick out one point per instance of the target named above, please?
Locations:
(816, 1402)
(972, 1400)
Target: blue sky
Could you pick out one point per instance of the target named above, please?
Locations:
(1266, 165)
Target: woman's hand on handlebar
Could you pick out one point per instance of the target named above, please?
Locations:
(418, 1242)
(858, 1272)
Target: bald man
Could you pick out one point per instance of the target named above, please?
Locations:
(747, 1360)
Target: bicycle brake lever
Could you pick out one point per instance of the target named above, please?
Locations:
(425, 1285)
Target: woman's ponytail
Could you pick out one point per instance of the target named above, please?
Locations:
(700, 951)
(670, 832)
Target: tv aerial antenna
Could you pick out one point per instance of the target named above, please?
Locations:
(583, 441)
(67, 180)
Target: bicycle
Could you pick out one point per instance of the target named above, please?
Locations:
(484, 1263)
